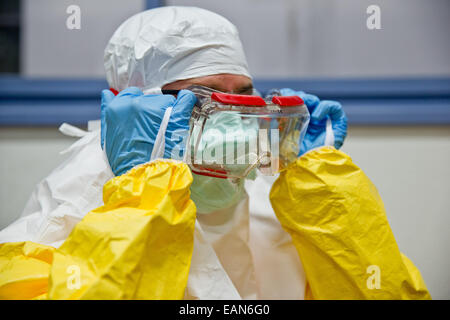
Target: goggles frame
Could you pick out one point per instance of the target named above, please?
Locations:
(211, 101)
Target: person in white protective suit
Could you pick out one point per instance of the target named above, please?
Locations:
(240, 251)
(230, 260)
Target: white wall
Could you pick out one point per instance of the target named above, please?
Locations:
(409, 166)
(329, 38)
(49, 49)
(28, 155)
(283, 38)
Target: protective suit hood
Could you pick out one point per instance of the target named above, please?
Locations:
(166, 44)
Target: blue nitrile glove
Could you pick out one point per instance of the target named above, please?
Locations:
(130, 122)
(319, 112)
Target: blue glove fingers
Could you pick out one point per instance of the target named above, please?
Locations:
(290, 92)
(340, 131)
(311, 101)
(135, 91)
(107, 97)
(149, 112)
(334, 110)
(154, 103)
(134, 120)
(122, 104)
(182, 108)
(320, 111)
(178, 128)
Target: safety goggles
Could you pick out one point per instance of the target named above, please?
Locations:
(232, 135)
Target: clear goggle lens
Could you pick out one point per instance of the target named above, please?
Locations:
(232, 135)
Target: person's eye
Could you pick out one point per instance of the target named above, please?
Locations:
(246, 91)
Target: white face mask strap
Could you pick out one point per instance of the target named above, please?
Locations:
(159, 147)
(329, 135)
(155, 90)
(71, 131)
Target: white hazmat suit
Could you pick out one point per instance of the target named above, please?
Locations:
(239, 252)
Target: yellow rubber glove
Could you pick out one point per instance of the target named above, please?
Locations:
(339, 227)
(137, 246)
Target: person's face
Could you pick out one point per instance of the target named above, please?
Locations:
(229, 83)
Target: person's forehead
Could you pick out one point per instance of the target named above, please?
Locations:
(222, 82)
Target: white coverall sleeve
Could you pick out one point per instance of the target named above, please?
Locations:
(62, 199)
